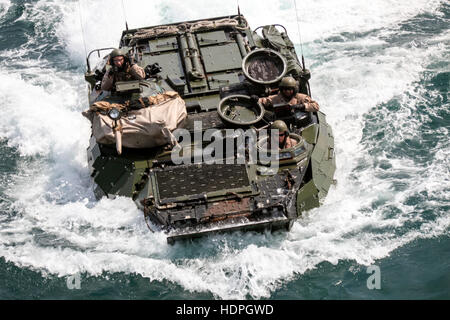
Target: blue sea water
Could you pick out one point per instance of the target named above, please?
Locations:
(381, 74)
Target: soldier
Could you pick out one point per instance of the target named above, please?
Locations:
(121, 69)
(288, 95)
(284, 141)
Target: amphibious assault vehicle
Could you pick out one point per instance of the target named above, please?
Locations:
(216, 66)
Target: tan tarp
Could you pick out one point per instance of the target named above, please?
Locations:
(143, 128)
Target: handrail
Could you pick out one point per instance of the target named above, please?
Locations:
(89, 55)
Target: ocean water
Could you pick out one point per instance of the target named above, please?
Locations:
(380, 72)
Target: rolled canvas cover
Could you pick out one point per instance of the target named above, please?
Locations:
(142, 128)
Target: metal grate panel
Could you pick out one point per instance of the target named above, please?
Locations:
(200, 179)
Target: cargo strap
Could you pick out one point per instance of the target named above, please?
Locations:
(103, 106)
(190, 27)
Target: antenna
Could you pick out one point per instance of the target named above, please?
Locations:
(124, 15)
(239, 15)
(299, 34)
(82, 35)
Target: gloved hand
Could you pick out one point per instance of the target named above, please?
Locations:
(108, 68)
(254, 97)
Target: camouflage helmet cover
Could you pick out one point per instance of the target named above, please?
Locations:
(280, 125)
(288, 82)
(119, 52)
(116, 53)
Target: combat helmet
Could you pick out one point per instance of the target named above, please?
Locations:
(288, 82)
(281, 126)
(116, 53)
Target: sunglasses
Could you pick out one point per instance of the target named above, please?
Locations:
(282, 134)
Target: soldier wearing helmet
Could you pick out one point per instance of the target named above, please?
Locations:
(284, 141)
(120, 69)
(288, 95)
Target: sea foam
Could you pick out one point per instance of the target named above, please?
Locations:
(57, 227)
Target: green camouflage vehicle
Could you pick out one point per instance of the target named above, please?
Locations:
(219, 67)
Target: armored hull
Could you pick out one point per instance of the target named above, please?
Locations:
(216, 66)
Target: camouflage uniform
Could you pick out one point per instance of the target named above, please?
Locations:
(133, 72)
(310, 104)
